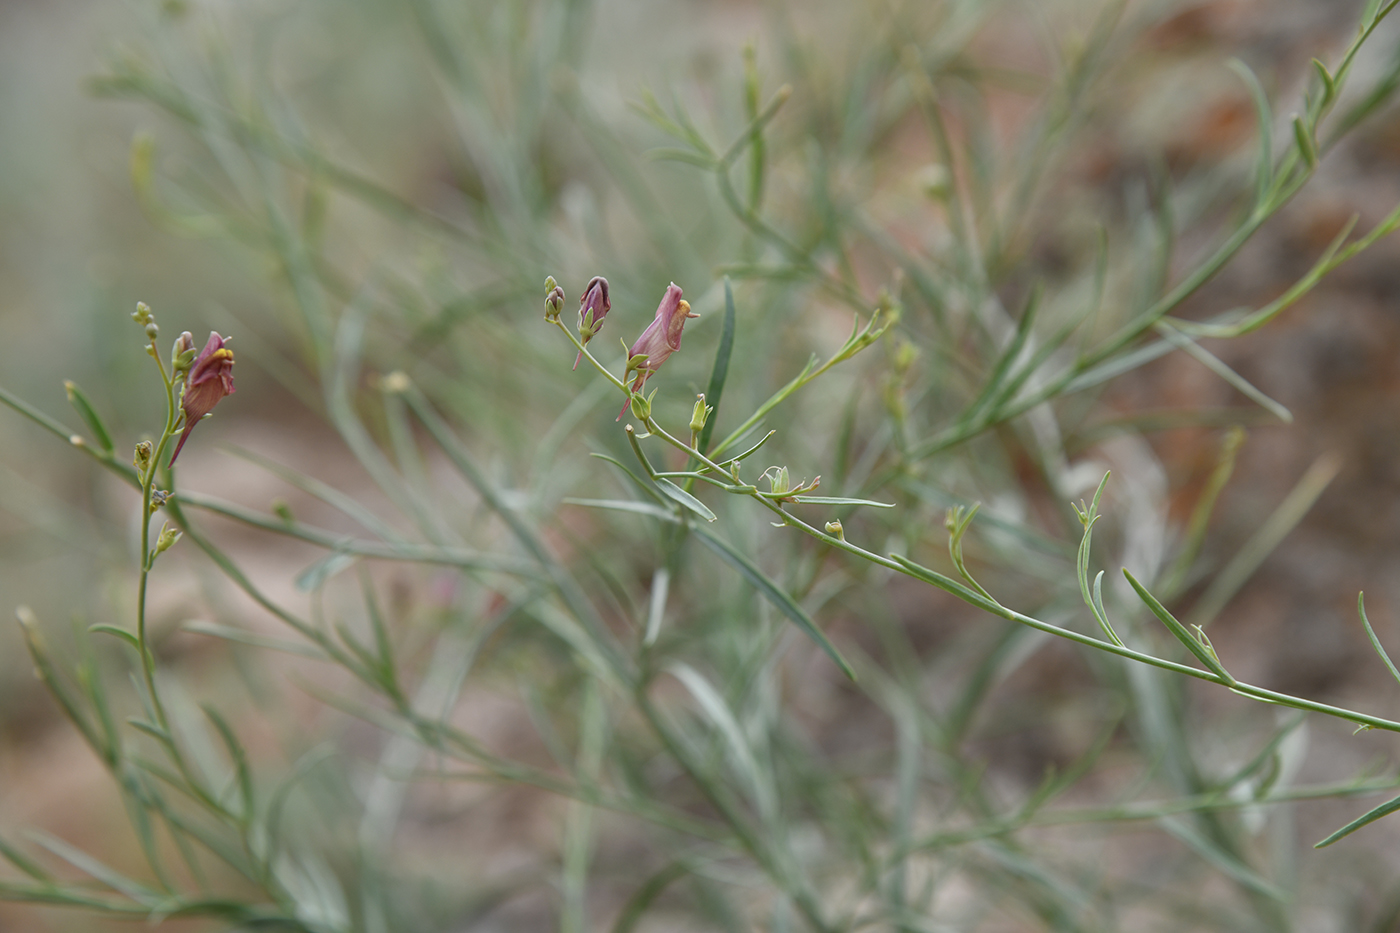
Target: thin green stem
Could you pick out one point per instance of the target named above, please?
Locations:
(995, 608)
(147, 487)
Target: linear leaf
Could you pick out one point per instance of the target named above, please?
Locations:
(720, 373)
(624, 505)
(1385, 809)
(684, 498)
(315, 576)
(775, 595)
(842, 500)
(229, 633)
(84, 408)
(1177, 629)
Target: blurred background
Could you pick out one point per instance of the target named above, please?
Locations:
(357, 188)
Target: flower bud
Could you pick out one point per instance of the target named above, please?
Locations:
(834, 529)
(641, 405)
(779, 483)
(142, 458)
(142, 314)
(553, 299)
(167, 539)
(592, 308)
(152, 330)
(182, 352)
(700, 414)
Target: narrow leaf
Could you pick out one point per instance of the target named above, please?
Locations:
(1178, 630)
(1385, 809)
(774, 594)
(315, 576)
(238, 756)
(121, 633)
(841, 500)
(91, 866)
(1264, 169)
(84, 408)
(229, 633)
(624, 505)
(684, 498)
(720, 373)
(1371, 634)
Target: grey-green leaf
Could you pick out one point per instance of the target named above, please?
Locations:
(774, 594)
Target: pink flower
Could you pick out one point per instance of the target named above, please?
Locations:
(208, 381)
(592, 308)
(661, 338)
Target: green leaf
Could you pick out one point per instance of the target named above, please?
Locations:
(1371, 634)
(673, 154)
(1329, 84)
(720, 372)
(315, 576)
(229, 633)
(937, 579)
(717, 710)
(643, 897)
(1305, 142)
(624, 505)
(23, 862)
(841, 500)
(88, 865)
(684, 498)
(644, 487)
(123, 634)
(1179, 630)
(1264, 169)
(774, 594)
(239, 757)
(84, 408)
(1385, 809)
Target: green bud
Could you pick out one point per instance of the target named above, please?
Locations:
(152, 330)
(641, 405)
(142, 459)
(778, 480)
(167, 539)
(283, 511)
(142, 314)
(834, 529)
(935, 182)
(700, 414)
(553, 299)
(182, 352)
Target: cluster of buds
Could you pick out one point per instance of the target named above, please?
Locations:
(780, 486)
(656, 344)
(143, 316)
(661, 338)
(553, 299)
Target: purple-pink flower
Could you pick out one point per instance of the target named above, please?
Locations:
(210, 378)
(661, 338)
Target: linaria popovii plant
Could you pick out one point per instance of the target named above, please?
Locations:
(702, 693)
